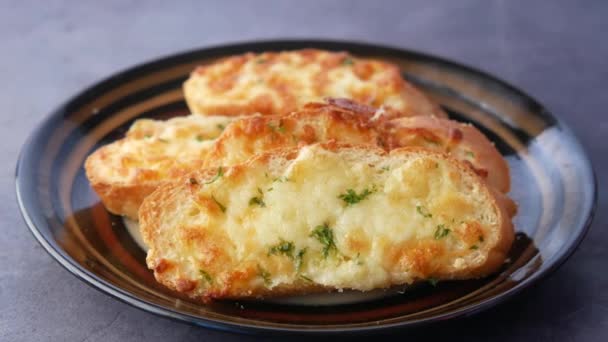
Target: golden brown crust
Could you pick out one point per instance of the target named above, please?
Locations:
(226, 273)
(463, 141)
(277, 83)
(498, 254)
(122, 199)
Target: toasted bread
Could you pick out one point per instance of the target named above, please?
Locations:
(124, 172)
(277, 83)
(462, 141)
(324, 217)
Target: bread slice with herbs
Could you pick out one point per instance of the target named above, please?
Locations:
(324, 217)
(277, 83)
(124, 172)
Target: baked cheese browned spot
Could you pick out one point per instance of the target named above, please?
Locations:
(324, 217)
(124, 172)
(281, 82)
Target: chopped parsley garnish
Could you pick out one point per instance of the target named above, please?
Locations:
(287, 248)
(348, 61)
(441, 232)
(359, 261)
(284, 247)
(325, 236)
(433, 282)
(264, 274)
(220, 205)
(470, 154)
(206, 276)
(474, 247)
(300, 259)
(269, 189)
(351, 197)
(200, 138)
(306, 278)
(193, 181)
(163, 140)
(221, 127)
(278, 128)
(220, 173)
(423, 211)
(281, 179)
(385, 168)
(258, 200)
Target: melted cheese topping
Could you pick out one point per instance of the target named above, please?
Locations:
(278, 83)
(253, 135)
(154, 150)
(423, 217)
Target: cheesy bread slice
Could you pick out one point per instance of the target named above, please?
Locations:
(462, 140)
(281, 82)
(124, 172)
(324, 217)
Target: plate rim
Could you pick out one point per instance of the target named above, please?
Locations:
(57, 253)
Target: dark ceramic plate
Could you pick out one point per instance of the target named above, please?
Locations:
(553, 183)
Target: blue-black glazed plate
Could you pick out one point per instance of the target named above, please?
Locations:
(552, 182)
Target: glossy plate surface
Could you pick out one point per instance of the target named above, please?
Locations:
(552, 181)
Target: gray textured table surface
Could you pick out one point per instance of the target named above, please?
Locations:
(558, 52)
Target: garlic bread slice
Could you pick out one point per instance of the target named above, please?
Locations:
(277, 83)
(124, 172)
(324, 217)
